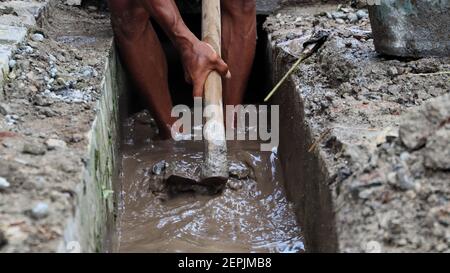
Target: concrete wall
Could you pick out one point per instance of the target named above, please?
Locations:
(94, 214)
(306, 175)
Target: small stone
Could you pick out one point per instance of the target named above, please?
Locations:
(88, 72)
(441, 247)
(47, 112)
(12, 119)
(365, 194)
(159, 167)
(395, 226)
(61, 81)
(4, 109)
(4, 184)
(361, 14)
(437, 150)
(144, 118)
(418, 125)
(73, 2)
(338, 15)
(239, 170)
(392, 71)
(76, 138)
(67, 166)
(367, 211)
(28, 49)
(12, 63)
(37, 37)
(405, 156)
(39, 211)
(411, 194)
(391, 135)
(53, 72)
(345, 9)
(53, 144)
(352, 18)
(404, 180)
(402, 242)
(34, 149)
(41, 100)
(12, 75)
(340, 21)
(52, 58)
(425, 65)
(235, 184)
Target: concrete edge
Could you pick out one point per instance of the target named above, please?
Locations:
(94, 208)
(96, 195)
(306, 173)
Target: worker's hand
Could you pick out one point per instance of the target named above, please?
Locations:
(199, 60)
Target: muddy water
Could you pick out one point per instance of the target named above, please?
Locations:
(250, 215)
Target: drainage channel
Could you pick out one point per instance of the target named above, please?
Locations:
(252, 214)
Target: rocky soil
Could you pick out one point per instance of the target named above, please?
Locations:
(50, 95)
(384, 128)
(391, 169)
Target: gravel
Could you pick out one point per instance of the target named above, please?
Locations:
(4, 184)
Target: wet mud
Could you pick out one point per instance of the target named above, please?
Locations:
(251, 214)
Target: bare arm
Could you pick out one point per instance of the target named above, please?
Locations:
(199, 59)
(166, 13)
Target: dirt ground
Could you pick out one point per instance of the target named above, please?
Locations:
(50, 93)
(383, 127)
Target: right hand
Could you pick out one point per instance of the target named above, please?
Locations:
(199, 60)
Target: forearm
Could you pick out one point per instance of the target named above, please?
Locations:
(167, 15)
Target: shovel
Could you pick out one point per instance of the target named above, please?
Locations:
(212, 177)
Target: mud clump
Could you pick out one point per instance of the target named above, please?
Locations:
(177, 177)
(419, 125)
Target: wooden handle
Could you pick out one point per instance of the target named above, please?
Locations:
(215, 158)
